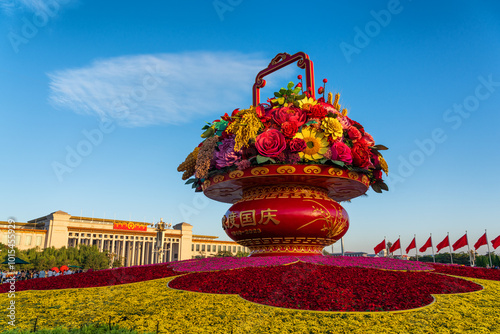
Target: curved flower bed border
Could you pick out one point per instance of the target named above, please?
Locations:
(308, 286)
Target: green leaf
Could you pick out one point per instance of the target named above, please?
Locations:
(205, 127)
(208, 133)
(260, 159)
(290, 85)
(383, 185)
(338, 163)
(190, 181)
(311, 122)
(296, 90)
(300, 97)
(380, 147)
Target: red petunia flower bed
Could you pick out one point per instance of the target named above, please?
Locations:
(482, 273)
(95, 278)
(309, 286)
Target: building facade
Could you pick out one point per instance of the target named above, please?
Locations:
(134, 243)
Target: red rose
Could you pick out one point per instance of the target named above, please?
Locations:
(287, 114)
(318, 111)
(270, 143)
(353, 133)
(289, 129)
(297, 145)
(341, 152)
(361, 155)
(358, 126)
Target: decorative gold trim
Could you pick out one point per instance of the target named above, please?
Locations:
(207, 183)
(335, 171)
(312, 169)
(260, 171)
(353, 175)
(218, 178)
(286, 170)
(235, 174)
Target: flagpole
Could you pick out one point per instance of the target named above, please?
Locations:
(400, 248)
(468, 248)
(449, 245)
(487, 244)
(432, 247)
(386, 250)
(416, 248)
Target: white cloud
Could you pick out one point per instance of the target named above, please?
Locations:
(10, 7)
(143, 90)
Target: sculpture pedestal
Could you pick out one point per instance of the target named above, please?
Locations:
(286, 210)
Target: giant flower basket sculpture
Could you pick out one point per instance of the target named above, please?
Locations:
(284, 165)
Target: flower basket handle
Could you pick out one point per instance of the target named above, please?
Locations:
(281, 60)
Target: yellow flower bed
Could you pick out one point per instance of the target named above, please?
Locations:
(142, 305)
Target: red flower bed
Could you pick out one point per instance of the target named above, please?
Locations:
(95, 278)
(309, 286)
(483, 273)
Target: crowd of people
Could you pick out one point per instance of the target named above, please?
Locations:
(22, 275)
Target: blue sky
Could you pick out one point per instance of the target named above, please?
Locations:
(102, 100)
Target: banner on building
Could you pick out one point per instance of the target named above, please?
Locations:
(130, 226)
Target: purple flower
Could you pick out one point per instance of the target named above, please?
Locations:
(226, 155)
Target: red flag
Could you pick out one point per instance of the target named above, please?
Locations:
(460, 242)
(443, 244)
(395, 246)
(412, 245)
(379, 247)
(426, 245)
(496, 242)
(481, 241)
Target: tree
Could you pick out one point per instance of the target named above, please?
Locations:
(223, 254)
(242, 254)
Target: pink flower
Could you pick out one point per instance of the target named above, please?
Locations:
(341, 152)
(368, 139)
(270, 143)
(297, 145)
(243, 164)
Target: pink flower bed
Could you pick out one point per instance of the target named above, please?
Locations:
(224, 263)
(367, 262)
(456, 270)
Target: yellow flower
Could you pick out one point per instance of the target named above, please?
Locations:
(332, 127)
(245, 127)
(306, 103)
(316, 144)
(383, 164)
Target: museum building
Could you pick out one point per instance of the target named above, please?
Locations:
(135, 243)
